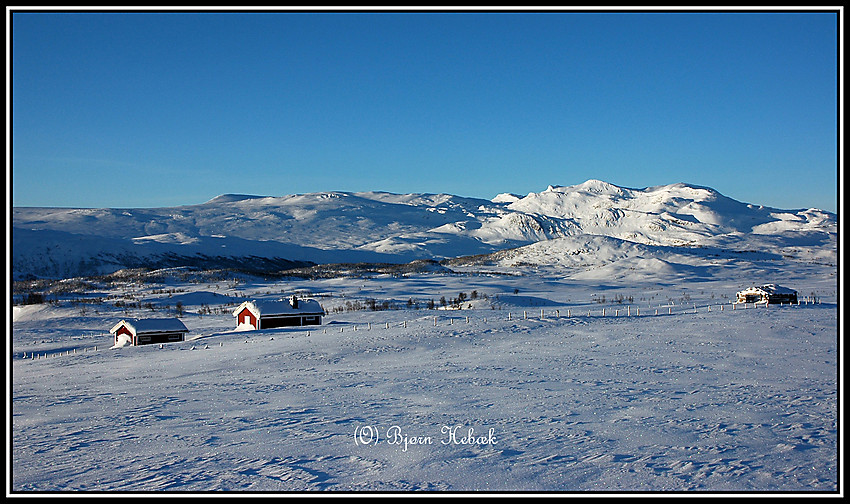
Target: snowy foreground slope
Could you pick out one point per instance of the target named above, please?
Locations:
(265, 234)
(670, 390)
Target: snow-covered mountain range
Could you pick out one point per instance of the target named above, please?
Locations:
(583, 226)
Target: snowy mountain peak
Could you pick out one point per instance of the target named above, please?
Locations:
(598, 186)
(589, 186)
(506, 198)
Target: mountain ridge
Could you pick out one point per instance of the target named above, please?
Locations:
(374, 226)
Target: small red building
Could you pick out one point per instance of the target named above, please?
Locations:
(148, 331)
(253, 315)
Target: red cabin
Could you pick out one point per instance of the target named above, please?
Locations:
(253, 315)
(148, 331)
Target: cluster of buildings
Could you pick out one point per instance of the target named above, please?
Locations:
(255, 315)
(250, 316)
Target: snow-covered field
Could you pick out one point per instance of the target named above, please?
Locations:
(670, 390)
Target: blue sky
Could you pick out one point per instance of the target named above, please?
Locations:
(143, 109)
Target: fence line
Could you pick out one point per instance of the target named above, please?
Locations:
(543, 316)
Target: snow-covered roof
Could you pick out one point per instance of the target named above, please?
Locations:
(137, 326)
(280, 308)
(769, 289)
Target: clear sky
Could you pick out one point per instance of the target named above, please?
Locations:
(143, 109)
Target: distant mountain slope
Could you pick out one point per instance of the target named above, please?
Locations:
(384, 227)
(666, 215)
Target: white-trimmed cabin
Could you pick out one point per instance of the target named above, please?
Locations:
(260, 314)
(148, 331)
(770, 293)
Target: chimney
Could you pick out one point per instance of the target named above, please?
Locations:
(293, 301)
